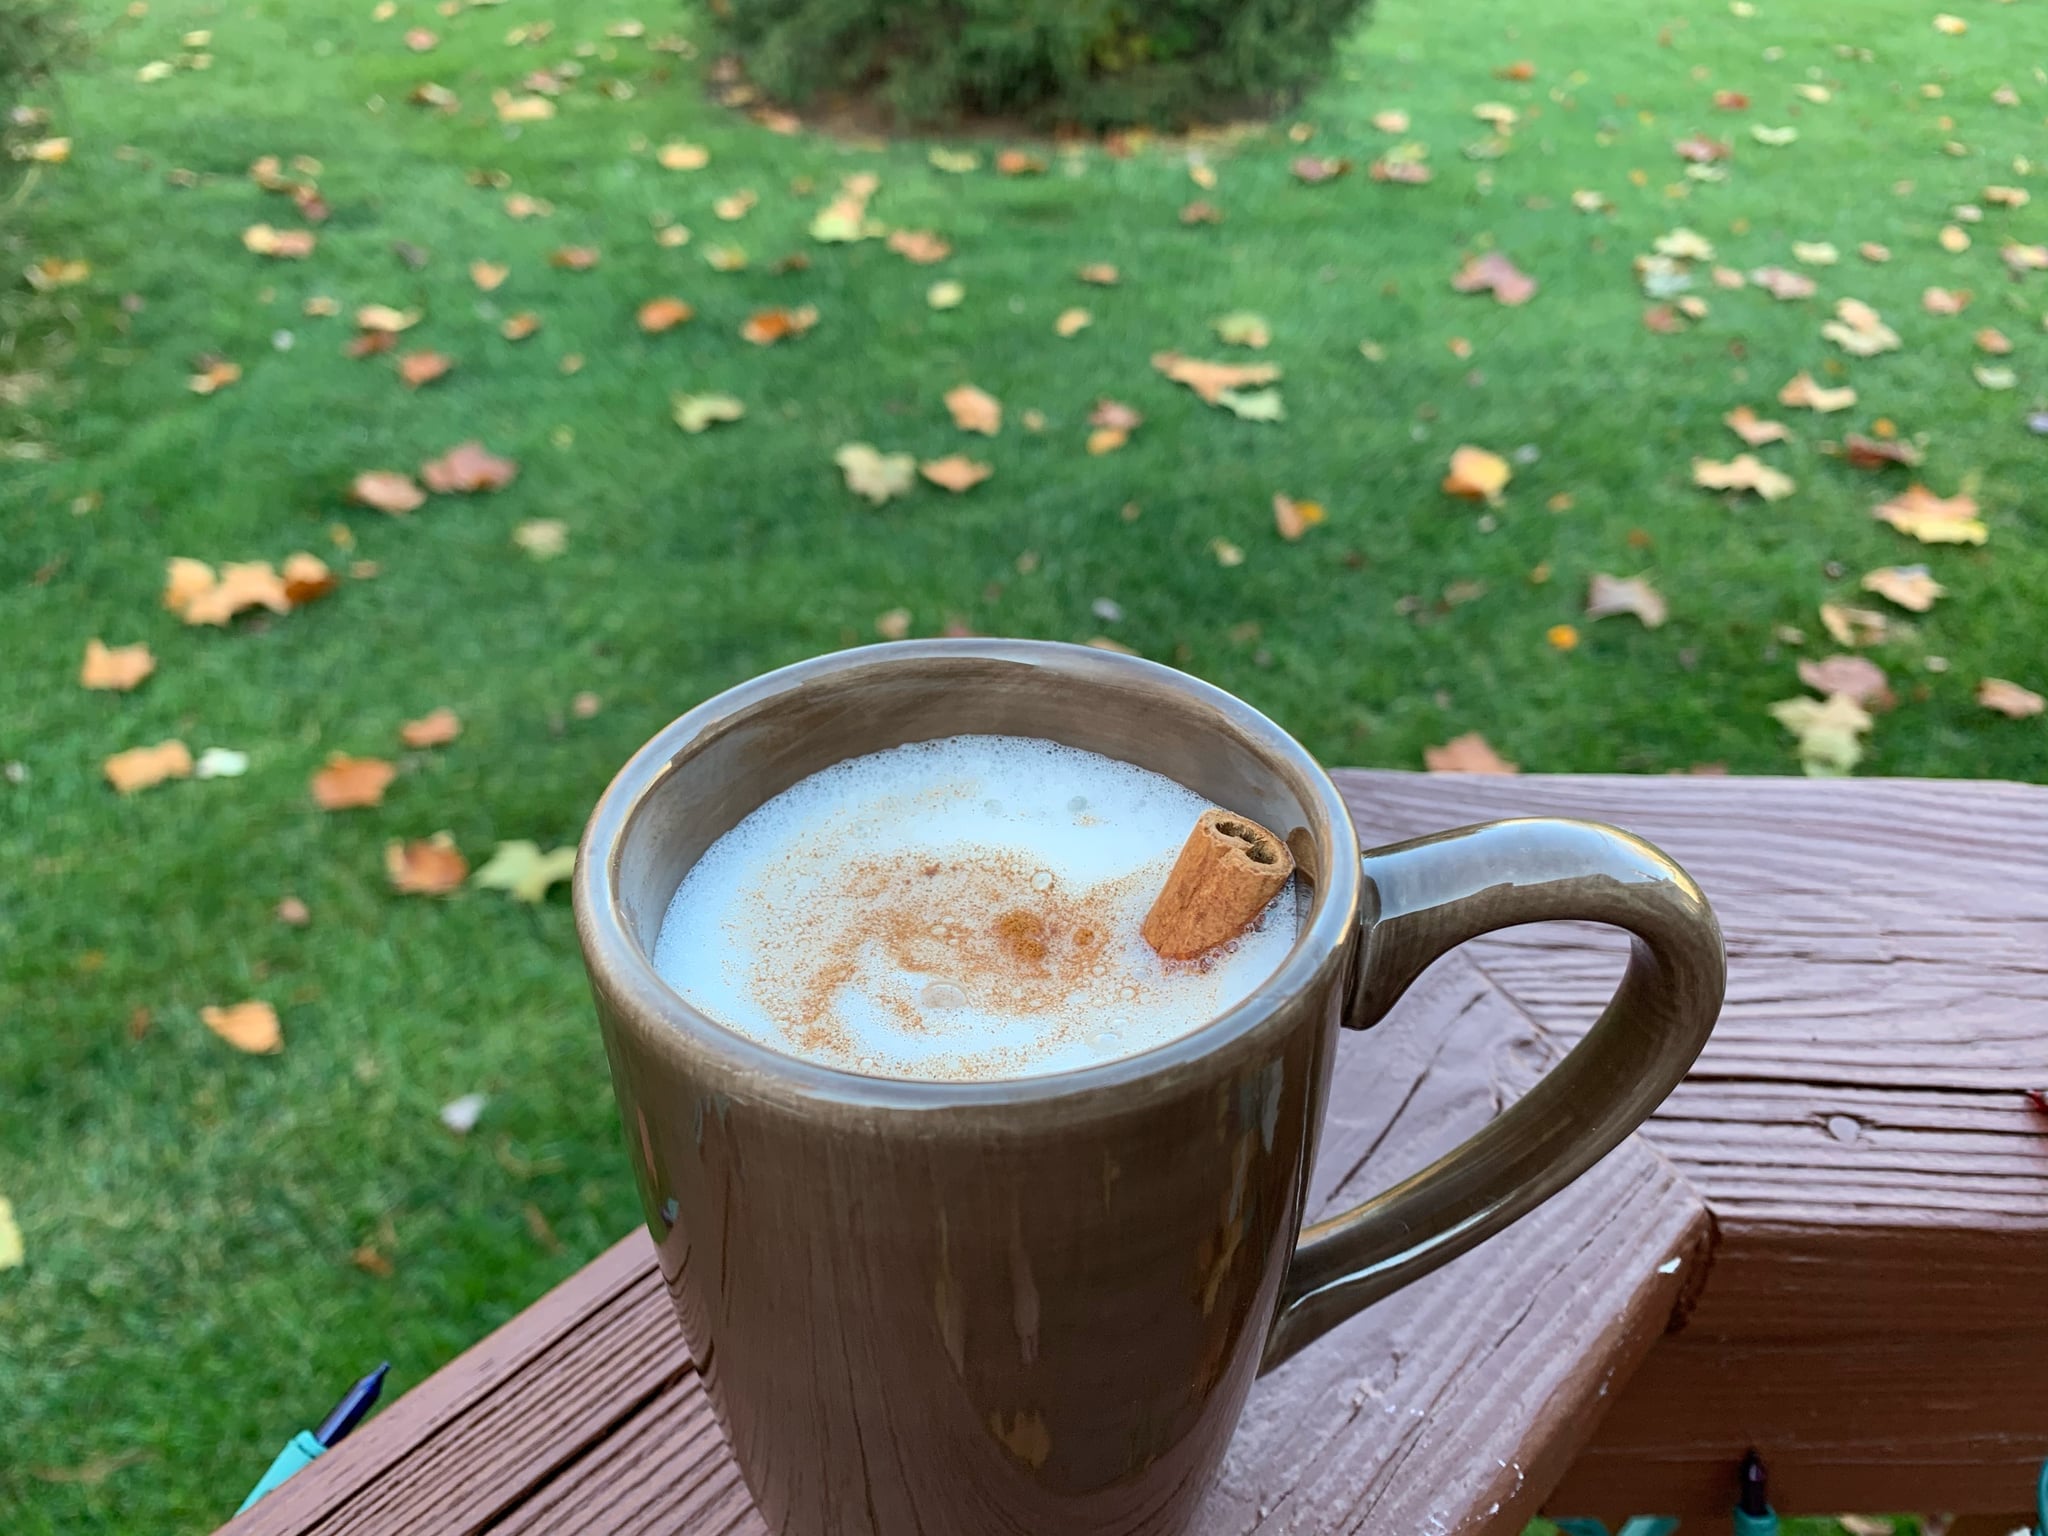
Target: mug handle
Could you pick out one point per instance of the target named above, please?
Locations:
(1421, 900)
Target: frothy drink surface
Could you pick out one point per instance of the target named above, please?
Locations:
(964, 908)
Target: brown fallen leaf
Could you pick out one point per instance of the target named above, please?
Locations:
(431, 866)
(1991, 339)
(975, 410)
(1477, 474)
(249, 1027)
(663, 314)
(1802, 393)
(418, 368)
(1698, 149)
(1201, 211)
(1744, 472)
(2009, 699)
(306, 578)
(1494, 273)
(1406, 170)
(350, 783)
(1292, 519)
(1856, 627)
(369, 344)
(488, 275)
(1754, 429)
(1020, 162)
(370, 1259)
(389, 491)
(575, 258)
(143, 767)
(1857, 677)
(1933, 519)
(955, 472)
(1315, 169)
(1878, 453)
(1100, 273)
(1210, 380)
(436, 728)
(117, 668)
(920, 246)
(1910, 586)
(1469, 753)
(1783, 283)
(767, 326)
(1608, 595)
(467, 468)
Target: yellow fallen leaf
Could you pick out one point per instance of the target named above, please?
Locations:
(1802, 393)
(1744, 472)
(873, 474)
(528, 108)
(542, 537)
(1477, 474)
(249, 1027)
(279, 244)
(521, 870)
(1829, 732)
(1856, 627)
(679, 156)
(118, 668)
(141, 767)
(1072, 322)
(1910, 586)
(13, 1253)
(215, 375)
(1607, 596)
(1210, 380)
(382, 317)
(1933, 519)
(50, 151)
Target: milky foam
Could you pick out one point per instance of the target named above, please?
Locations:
(964, 908)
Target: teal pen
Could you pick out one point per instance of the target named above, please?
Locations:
(305, 1449)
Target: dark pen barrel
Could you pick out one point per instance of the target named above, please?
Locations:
(348, 1413)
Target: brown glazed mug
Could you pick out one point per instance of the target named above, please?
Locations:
(1035, 1307)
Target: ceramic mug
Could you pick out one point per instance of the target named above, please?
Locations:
(1035, 1307)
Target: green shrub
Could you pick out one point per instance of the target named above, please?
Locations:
(1092, 63)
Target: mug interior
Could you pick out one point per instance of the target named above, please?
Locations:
(711, 768)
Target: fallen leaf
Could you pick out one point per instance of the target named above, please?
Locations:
(1019, 162)
(1950, 26)
(467, 468)
(1856, 627)
(1072, 322)
(350, 783)
(894, 624)
(420, 39)
(279, 244)
(520, 206)
(520, 326)
(1773, 138)
(663, 314)
(725, 258)
(2009, 699)
(1856, 677)
(389, 491)
(306, 578)
(213, 375)
(1494, 273)
(1991, 339)
(249, 1027)
(975, 410)
(221, 763)
(1815, 253)
(1227, 554)
(1744, 472)
(575, 258)
(767, 326)
(1241, 328)
(1477, 474)
(1698, 149)
(371, 1261)
(1608, 595)
(698, 413)
(2021, 259)
(1100, 273)
(679, 156)
(1829, 732)
(431, 866)
(1201, 211)
(57, 272)
(873, 474)
(1954, 239)
(1989, 377)
(436, 728)
(1933, 519)
(53, 151)
(1871, 251)
(920, 246)
(542, 537)
(1858, 330)
(955, 472)
(1802, 393)
(1783, 283)
(1878, 453)
(532, 108)
(946, 294)
(1731, 101)
(1210, 380)
(954, 162)
(117, 668)
(522, 870)
(1562, 637)
(1315, 169)
(735, 206)
(1753, 429)
(1294, 518)
(385, 319)
(1941, 301)
(460, 1115)
(488, 275)
(143, 767)
(1910, 586)
(1469, 753)
(418, 368)
(198, 596)
(13, 1253)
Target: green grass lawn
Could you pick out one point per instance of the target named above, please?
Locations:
(190, 1214)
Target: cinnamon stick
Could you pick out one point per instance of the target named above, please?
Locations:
(1228, 871)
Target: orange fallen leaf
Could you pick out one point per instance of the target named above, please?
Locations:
(306, 578)
(349, 783)
(1469, 753)
(2009, 699)
(955, 472)
(1477, 474)
(431, 866)
(212, 375)
(1019, 162)
(1293, 518)
(1100, 273)
(142, 767)
(436, 728)
(663, 314)
(389, 491)
(1878, 452)
(1210, 380)
(371, 1261)
(488, 275)
(1494, 273)
(975, 410)
(921, 246)
(1754, 429)
(1802, 393)
(468, 467)
(418, 368)
(1910, 586)
(1562, 637)
(767, 326)
(198, 595)
(251, 1027)
(520, 326)
(575, 258)
(1993, 340)
(117, 668)
(1933, 519)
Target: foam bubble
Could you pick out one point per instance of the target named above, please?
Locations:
(963, 908)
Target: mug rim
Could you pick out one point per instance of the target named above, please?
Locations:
(623, 972)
